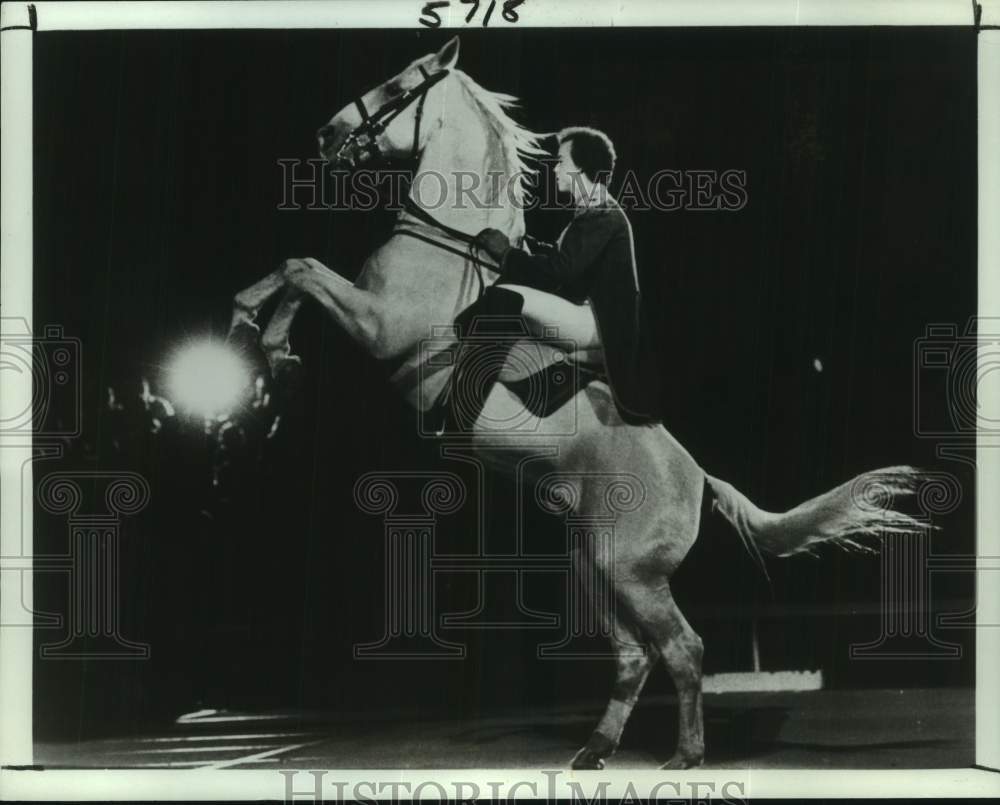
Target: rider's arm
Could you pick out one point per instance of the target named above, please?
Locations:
(568, 266)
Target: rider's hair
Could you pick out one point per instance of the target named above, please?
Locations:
(592, 151)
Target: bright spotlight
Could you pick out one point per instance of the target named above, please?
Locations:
(207, 378)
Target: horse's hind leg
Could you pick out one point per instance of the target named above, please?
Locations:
(634, 661)
(681, 648)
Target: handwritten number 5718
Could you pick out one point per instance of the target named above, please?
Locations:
(432, 19)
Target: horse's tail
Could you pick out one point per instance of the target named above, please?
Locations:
(844, 516)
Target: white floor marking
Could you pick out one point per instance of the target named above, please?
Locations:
(191, 718)
(261, 755)
(249, 737)
(188, 750)
(168, 764)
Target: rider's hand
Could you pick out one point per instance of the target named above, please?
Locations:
(536, 246)
(493, 242)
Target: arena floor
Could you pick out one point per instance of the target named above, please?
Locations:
(825, 729)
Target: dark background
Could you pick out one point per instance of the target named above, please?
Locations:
(156, 194)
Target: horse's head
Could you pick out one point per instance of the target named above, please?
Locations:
(389, 121)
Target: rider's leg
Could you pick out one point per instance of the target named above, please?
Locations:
(551, 317)
(536, 314)
(493, 319)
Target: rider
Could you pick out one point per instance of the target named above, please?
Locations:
(593, 261)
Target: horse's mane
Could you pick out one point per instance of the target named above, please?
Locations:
(519, 146)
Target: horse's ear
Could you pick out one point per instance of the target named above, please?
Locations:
(448, 55)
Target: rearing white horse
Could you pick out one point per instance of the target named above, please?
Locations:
(424, 276)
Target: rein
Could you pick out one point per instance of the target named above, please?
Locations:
(471, 253)
(411, 207)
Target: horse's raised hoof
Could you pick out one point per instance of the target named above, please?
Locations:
(244, 337)
(679, 762)
(287, 374)
(587, 759)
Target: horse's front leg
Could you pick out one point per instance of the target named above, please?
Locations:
(248, 302)
(275, 340)
(358, 312)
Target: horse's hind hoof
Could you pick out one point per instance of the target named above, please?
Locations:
(679, 762)
(587, 759)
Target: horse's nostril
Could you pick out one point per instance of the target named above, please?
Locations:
(324, 134)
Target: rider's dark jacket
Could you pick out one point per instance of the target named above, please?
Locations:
(595, 261)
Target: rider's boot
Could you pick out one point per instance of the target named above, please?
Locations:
(494, 321)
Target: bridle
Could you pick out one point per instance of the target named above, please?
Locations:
(362, 145)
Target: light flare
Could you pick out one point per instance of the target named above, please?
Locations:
(207, 378)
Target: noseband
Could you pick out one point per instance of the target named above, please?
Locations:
(361, 144)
